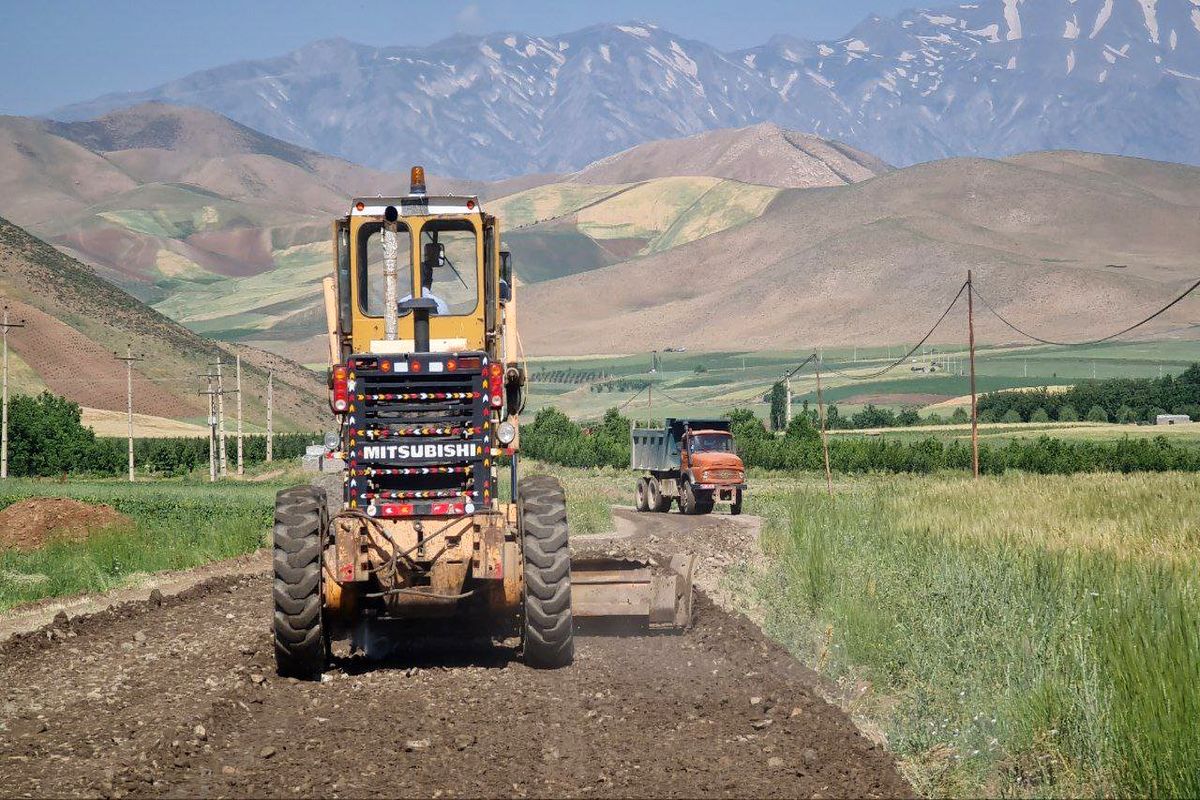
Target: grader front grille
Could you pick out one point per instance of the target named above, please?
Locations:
(418, 435)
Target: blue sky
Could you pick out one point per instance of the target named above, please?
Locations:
(55, 52)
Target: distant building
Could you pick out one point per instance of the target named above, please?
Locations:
(1172, 419)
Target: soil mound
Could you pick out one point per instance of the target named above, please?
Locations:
(29, 524)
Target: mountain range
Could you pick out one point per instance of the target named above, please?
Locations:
(989, 78)
(76, 322)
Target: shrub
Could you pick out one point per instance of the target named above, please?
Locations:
(1097, 414)
(1126, 415)
(960, 416)
(1012, 416)
(1039, 415)
(1067, 413)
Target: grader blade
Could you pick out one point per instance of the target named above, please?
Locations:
(613, 588)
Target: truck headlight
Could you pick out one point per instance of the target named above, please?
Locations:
(506, 432)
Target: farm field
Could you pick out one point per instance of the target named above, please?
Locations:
(1021, 636)
(710, 383)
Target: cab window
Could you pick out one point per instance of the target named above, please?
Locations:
(712, 443)
(370, 267)
(449, 265)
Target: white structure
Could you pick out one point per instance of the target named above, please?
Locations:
(1172, 419)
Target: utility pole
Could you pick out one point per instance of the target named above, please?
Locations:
(222, 466)
(129, 359)
(824, 430)
(212, 428)
(4, 435)
(240, 467)
(974, 398)
(788, 382)
(270, 399)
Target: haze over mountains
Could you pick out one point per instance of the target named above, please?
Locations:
(991, 78)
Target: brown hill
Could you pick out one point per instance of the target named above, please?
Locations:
(1068, 244)
(76, 321)
(762, 154)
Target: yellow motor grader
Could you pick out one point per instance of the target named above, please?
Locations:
(427, 387)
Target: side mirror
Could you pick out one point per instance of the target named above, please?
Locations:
(505, 276)
(435, 254)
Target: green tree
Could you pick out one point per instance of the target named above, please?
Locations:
(779, 419)
(1126, 415)
(47, 437)
(1012, 416)
(1067, 413)
(1097, 414)
(1039, 415)
(960, 416)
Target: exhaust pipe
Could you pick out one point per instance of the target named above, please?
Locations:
(390, 246)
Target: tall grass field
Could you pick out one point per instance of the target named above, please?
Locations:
(174, 526)
(1022, 636)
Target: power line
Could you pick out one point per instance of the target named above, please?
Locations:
(916, 347)
(1110, 337)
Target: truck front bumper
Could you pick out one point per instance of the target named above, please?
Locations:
(723, 493)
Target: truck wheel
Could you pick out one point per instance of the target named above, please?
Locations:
(658, 502)
(704, 508)
(548, 630)
(736, 508)
(643, 499)
(300, 646)
(687, 499)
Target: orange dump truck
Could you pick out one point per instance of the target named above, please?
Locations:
(689, 460)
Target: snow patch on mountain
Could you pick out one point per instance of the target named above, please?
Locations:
(1012, 16)
(1102, 18)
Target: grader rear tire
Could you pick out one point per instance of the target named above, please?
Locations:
(301, 517)
(548, 631)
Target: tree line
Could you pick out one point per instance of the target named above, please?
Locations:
(555, 438)
(1109, 400)
(47, 438)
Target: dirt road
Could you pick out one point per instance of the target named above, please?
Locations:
(177, 697)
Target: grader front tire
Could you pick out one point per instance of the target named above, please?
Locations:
(548, 631)
(300, 519)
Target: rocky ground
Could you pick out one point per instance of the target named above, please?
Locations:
(176, 696)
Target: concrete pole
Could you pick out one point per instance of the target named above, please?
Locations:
(212, 431)
(222, 462)
(270, 400)
(240, 462)
(788, 421)
(4, 439)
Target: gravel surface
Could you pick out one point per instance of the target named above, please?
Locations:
(176, 696)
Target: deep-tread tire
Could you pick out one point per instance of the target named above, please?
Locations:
(643, 495)
(659, 503)
(736, 507)
(301, 518)
(704, 508)
(548, 634)
(687, 499)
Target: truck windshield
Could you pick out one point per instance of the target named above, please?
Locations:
(712, 443)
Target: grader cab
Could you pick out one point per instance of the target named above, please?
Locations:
(427, 388)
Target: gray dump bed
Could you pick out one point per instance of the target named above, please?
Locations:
(657, 449)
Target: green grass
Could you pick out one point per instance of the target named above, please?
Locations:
(1012, 637)
(175, 525)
